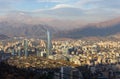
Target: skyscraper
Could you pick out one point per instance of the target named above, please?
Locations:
(13, 52)
(26, 47)
(70, 73)
(48, 43)
(19, 53)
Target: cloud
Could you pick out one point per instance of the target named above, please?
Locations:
(91, 10)
(10, 1)
(6, 5)
(61, 12)
(99, 4)
(87, 4)
(56, 1)
(62, 6)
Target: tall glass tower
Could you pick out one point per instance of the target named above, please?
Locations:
(19, 52)
(48, 43)
(26, 47)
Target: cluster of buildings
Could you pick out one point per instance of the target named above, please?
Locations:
(87, 52)
(80, 52)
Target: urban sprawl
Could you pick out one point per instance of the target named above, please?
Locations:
(65, 59)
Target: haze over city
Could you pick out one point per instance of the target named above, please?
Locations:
(59, 39)
(81, 10)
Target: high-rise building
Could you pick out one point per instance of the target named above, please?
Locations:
(66, 72)
(13, 52)
(49, 44)
(38, 53)
(26, 47)
(19, 53)
(70, 73)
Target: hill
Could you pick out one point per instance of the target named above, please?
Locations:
(31, 27)
(107, 28)
(24, 30)
(2, 37)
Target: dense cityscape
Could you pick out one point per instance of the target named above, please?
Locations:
(60, 59)
(59, 39)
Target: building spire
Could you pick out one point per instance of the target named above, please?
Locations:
(48, 42)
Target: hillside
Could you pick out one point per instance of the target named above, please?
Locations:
(21, 27)
(2, 37)
(24, 30)
(107, 28)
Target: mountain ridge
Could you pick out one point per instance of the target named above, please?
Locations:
(17, 27)
(106, 28)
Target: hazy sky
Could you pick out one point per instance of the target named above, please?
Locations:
(88, 10)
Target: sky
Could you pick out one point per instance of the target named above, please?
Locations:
(86, 10)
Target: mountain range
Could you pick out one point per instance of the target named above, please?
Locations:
(22, 25)
(107, 28)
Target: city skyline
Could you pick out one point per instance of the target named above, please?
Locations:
(59, 39)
